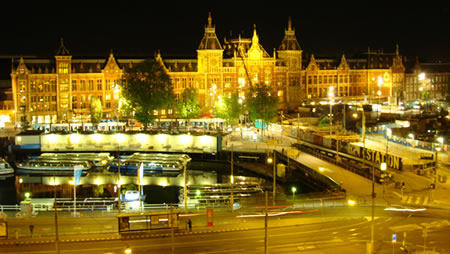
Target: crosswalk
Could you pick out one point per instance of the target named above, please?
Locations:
(421, 200)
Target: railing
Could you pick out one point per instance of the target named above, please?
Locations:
(9, 208)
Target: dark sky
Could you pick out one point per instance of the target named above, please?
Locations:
(140, 28)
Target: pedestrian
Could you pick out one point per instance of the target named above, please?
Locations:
(190, 225)
(31, 230)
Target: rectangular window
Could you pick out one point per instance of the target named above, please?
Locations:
(91, 85)
(99, 84)
(74, 102)
(63, 68)
(227, 82)
(108, 85)
(82, 85)
(74, 85)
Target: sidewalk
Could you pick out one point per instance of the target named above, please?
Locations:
(199, 227)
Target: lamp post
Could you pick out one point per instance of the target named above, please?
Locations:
(372, 225)
(331, 95)
(380, 83)
(293, 189)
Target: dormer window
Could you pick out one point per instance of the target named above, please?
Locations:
(63, 68)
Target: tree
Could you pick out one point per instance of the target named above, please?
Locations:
(146, 87)
(187, 106)
(261, 104)
(229, 109)
(96, 110)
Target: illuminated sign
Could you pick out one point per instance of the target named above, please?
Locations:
(377, 157)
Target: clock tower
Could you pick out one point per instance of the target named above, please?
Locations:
(210, 59)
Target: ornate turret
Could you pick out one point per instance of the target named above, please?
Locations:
(210, 52)
(289, 41)
(62, 51)
(210, 40)
(290, 49)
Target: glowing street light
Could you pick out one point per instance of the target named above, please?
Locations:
(331, 95)
(293, 189)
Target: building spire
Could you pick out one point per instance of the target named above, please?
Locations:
(62, 51)
(255, 39)
(209, 20)
(289, 24)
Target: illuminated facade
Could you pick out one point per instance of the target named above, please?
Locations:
(59, 89)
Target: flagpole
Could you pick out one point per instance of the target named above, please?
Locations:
(140, 176)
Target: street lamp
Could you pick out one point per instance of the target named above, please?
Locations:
(380, 83)
(293, 189)
(331, 95)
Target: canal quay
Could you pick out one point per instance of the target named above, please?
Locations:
(216, 160)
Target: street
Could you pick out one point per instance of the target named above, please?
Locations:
(327, 230)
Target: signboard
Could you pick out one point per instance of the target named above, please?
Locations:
(394, 238)
(209, 217)
(378, 157)
(3, 229)
(77, 169)
(426, 156)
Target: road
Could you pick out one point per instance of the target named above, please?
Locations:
(327, 230)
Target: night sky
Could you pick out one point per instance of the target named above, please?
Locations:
(140, 28)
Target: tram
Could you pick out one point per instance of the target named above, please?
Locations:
(153, 164)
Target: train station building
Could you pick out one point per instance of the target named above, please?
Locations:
(59, 89)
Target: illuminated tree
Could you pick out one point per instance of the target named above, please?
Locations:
(146, 87)
(187, 105)
(96, 110)
(229, 109)
(261, 104)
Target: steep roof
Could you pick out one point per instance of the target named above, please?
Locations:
(210, 40)
(289, 41)
(62, 51)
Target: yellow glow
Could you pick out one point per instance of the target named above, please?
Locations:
(142, 138)
(438, 148)
(71, 182)
(75, 138)
(120, 137)
(120, 182)
(232, 179)
(355, 115)
(205, 140)
(20, 180)
(422, 76)
(440, 140)
(269, 160)
(98, 182)
(383, 166)
(161, 138)
(185, 139)
(19, 140)
(294, 189)
(380, 80)
(128, 251)
(97, 137)
(53, 182)
(321, 169)
(52, 138)
(351, 202)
